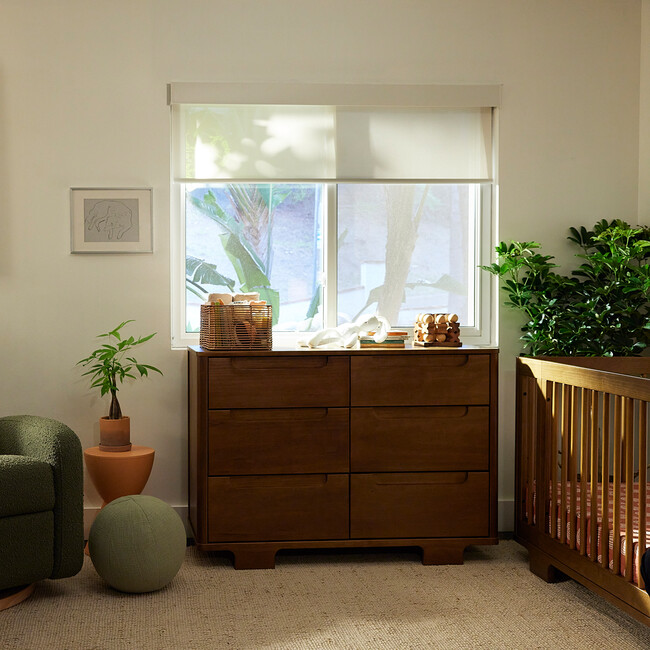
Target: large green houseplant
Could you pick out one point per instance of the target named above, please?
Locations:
(110, 367)
(601, 309)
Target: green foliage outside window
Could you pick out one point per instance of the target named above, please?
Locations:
(246, 241)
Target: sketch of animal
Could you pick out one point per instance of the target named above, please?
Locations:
(112, 217)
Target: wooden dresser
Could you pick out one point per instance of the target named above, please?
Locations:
(343, 448)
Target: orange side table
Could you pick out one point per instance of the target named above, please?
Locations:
(119, 473)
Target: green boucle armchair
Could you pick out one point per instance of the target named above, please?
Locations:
(41, 504)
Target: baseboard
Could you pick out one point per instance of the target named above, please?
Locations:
(91, 512)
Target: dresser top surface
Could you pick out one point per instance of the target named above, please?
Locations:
(298, 351)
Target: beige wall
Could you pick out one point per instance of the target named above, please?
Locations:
(82, 104)
(644, 122)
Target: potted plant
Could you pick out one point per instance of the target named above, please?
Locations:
(110, 366)
(601, 309)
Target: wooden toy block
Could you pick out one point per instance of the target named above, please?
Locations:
(433, 329)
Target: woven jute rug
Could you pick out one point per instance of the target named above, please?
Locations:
(313, 600)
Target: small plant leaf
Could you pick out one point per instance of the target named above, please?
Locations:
(112, 366)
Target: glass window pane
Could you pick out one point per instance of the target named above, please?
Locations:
(405, 249)
(244, 237)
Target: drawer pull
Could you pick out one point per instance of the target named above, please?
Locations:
(256, 482)
(446, 478)
(419, 413)
(414, 364)
(275, 363)
(455, 361)
(267, 415)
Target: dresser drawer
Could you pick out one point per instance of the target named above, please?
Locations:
(420, 380)
(270, 382)
(419, 438)
(264, 508)
(431, 504)
(278, 441)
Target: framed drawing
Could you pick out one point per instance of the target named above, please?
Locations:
(111, 220)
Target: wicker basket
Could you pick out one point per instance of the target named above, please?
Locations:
(236, 327)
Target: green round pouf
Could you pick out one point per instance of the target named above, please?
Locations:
(137, 543)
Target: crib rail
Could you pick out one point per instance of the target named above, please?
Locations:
(582, 431)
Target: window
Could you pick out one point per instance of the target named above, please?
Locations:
(333, 210)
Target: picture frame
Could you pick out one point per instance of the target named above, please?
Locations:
(111, 220)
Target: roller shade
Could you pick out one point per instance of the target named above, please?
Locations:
(422, 144)
(255, 142)
(330, 143)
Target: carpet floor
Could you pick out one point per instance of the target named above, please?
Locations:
(313, 600)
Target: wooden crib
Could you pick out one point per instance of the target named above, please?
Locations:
(582, 445)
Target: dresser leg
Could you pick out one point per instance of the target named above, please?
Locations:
(442, 553)
(254, 558)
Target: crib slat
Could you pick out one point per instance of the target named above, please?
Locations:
(524, 433)
(530, 438)
(527, 485)
(584, 467)
(564, 471)
(573, 469)
(643, 475)
(593, 478)
(519, 444)
(616, 501)
(604, 484)
(628, 406)
(541, 474)
(557, 391)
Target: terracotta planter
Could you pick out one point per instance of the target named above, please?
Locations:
(115, 435)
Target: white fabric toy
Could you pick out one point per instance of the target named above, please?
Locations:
(347, 335)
